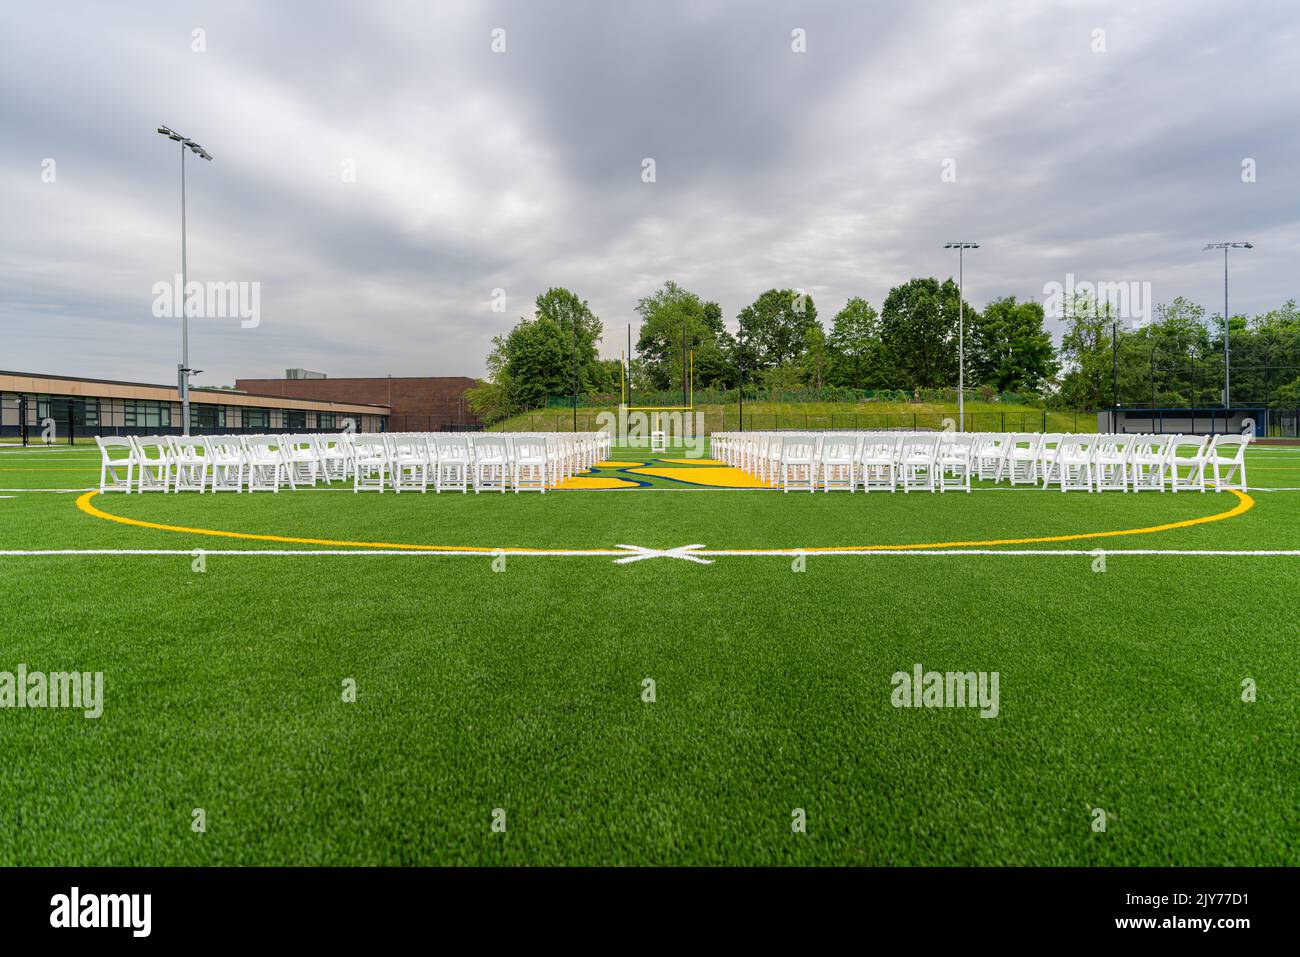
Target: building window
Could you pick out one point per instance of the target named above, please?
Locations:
(146, 413)
(205, 416)
(256, 418)
(325, 420)
(85, 413)
(295, 418)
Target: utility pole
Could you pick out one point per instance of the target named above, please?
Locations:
(1227, 376)
(183, 371)
(961, 331)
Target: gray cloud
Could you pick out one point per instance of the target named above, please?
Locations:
(521, 170)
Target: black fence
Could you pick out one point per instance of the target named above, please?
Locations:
(453, 422)
(1284, 423)
(28, 421)
(1276, 422)
(729, 420)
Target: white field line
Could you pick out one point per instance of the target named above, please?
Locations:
(623, 553)
(63, 491)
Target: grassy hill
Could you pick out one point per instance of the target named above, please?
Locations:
(980, 417)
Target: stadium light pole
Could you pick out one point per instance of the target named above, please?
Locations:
(183, 371)
(1227, 376)
(961, 332)
(1114, 369)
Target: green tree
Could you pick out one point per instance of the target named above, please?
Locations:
(535, 359)
(1286, 396)
(490, 401)
(782, 378)
(580, 327)
(1007, 347)
(816, 357)
(918, 332)
(670, 317)
(853, 348)
(1283, 320)
(1085, 355)
(715, 353)
(1189, 367)
(1265, 357)
(775, 328)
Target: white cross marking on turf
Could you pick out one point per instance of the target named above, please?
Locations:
(684, 552)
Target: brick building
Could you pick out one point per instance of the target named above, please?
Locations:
(415, 403)
(80, 406)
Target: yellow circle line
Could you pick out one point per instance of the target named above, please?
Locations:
(1244, 504)
(83, 503)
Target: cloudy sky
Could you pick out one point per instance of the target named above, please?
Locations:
(380, 169)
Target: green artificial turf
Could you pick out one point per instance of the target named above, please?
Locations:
(521, 689)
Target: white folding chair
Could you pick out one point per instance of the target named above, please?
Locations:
(371, 466)
(118, 462)
(531, 466)
(1229, 452)
(878, 462)
(989, 454)
(1110, 462)
(333, 454)
(917, 458)
(1072, 463)
(1024, 452)
(153, 463)
(839, 458)
(301, 458)
(769, 465)
(225, 454)
(798, 468)
(1148, 462)
(452, 470)
(1187, 458)
(557, 461)
(956, 450)
(1048, 447)
(265, 463)
(408, 455)
(190, 463)
(491, 464)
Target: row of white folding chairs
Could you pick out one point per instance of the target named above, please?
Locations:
(885, 461)
(398, 460)
(485, 462)
(759, 453)
(1145, 462)
(1114, 462)
(1079, 462)
(170, 463)
(237, 463)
